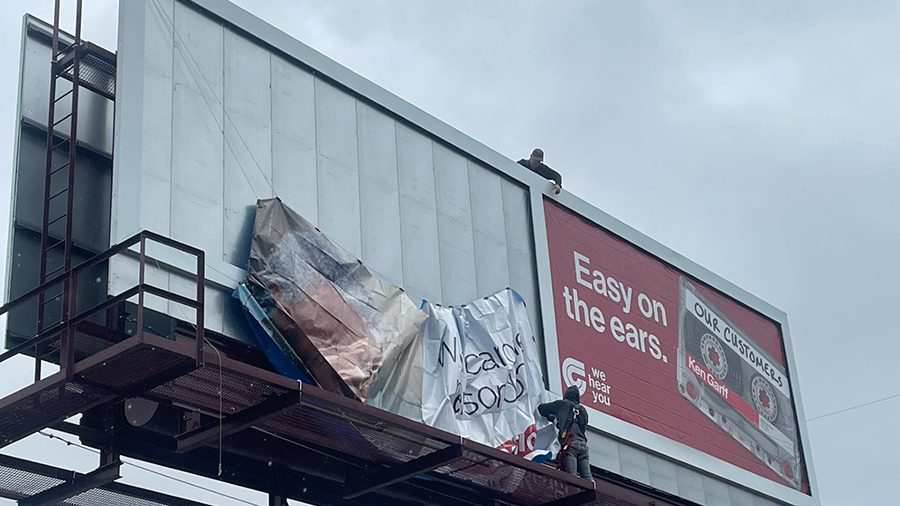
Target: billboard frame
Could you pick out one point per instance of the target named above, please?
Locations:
(633, 434)
(222, 274)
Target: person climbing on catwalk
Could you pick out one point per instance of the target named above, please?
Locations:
(571, 421)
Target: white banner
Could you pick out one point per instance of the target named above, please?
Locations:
(481, 377)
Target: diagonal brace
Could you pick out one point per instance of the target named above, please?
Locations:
(78, 484)
(235, 423)
(381, 479)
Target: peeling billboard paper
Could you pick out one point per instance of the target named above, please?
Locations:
(471, 370)
(326, 302)
(398, 383)
(481, 378)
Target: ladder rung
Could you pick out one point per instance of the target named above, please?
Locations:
(61, 167)
(57, 243)
(64, 52)
(50, 274)
(47, 301)
(56, 219)
(64, 95)
(60, 120)
(57, 194)
(58, 144)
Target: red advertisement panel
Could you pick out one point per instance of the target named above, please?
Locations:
(650, 345)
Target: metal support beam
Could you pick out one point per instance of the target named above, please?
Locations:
(356, 488)
(585, 497)
(80, 431)
(238, 422)
(77, 484)
(109, 452)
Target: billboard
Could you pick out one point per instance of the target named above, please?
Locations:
(653, 347)
(215, 109)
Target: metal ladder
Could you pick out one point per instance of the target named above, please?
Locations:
(59, 180)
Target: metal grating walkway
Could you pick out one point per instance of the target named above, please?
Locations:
(394, 449)
(129, 367)
(391, 450)
(21, 479)
(97, 72)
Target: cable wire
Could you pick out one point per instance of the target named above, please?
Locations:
(221, 393)
(854, 407)
(147, 469)
(208, 93)
(220, 400)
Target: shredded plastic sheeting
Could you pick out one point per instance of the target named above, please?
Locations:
(355, 321)
(471, 370)
(283, 358)
(398, 384)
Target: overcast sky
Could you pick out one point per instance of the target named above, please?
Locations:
(759, 139)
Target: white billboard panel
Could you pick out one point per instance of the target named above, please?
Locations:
(210, 120)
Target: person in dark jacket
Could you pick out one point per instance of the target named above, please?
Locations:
(563, 412)
(535, 163)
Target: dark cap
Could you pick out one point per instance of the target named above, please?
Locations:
(538, 153)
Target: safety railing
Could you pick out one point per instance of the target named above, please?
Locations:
(64, 289)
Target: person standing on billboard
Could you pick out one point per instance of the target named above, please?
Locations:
(535, 163)
(571, 420)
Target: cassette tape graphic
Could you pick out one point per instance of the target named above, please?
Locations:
(735, 383)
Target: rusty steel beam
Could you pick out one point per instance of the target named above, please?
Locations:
(237, 422)
(421, 465)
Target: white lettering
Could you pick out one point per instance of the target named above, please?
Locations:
(644, 300)
(618, 329)
(592, 316)
(599, 283)
(579, 269)
(615, 290)
(597, 319)
(568, 302)
(658, 309)
(613, 285)
(626, 295)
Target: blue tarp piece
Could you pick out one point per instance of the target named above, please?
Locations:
(270, 341)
